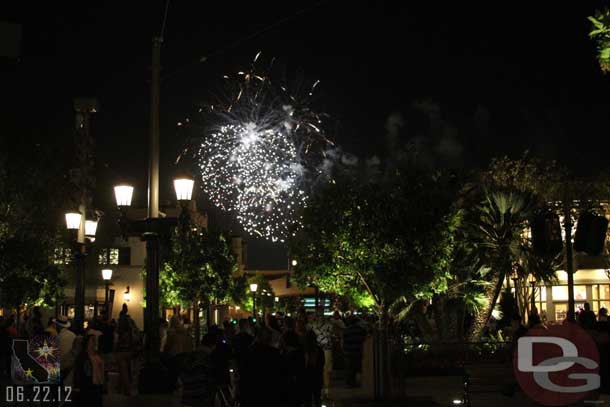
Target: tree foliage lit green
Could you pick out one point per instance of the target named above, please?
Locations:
(199, 267)
(600, 34)
(390, 238)
(31, 199)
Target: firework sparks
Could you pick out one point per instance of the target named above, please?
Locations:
(259, 157)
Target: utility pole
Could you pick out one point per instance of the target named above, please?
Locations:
(84, 181)
(153, 341)
(153, 163)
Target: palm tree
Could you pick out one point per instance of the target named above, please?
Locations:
(600, 34)
(497, 232)
(541, 267)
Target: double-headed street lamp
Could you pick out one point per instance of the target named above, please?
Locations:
(150, 229)
(106, 275)
(83, 236)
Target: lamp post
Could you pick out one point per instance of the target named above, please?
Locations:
(83, 234)
(569, 255)
(81, 177)
(106, 275)
(533, 285)
(253, 288)
(151, 229)
(515, 279)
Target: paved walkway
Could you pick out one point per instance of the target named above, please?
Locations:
(148, 400)
(344, 397)
(420, 392)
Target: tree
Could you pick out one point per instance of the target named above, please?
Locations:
(600, 33)
(392, 239)
(497, 231)
(31, 200)
(200, 270)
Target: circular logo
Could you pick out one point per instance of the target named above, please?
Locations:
(557, 366)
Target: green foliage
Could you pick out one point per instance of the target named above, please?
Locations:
(600, 34)
(390, 239)
(526, 175)
(265, 297)
(502, 218)
(200, 267)
(52, 284)
(361, 299)
(31, 199)
(169, 290)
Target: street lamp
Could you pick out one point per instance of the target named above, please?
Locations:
(83, 232)
(123, 194)
(183, 185)
(184, 188)
(106, 275)
(90, 229)
(294, 262)
(253, 288)
(73, 220)
(150, 230)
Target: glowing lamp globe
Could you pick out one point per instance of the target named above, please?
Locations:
(294, 262)
(106, 274)
(123, 195)
(253, 287)
(90, 228)
(184, 188)
(73, 220)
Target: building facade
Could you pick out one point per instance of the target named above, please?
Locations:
(126, 258)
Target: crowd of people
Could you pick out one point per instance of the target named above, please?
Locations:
(594, 324)
(235, 362)
(84, 357)
(239, 361)
(597, 326)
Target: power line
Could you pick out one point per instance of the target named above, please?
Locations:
(243, 39)
(164, 18)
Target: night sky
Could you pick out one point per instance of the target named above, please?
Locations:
(498, 79)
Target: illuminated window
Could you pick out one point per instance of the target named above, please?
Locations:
(560, 292)
(600, 294)
(561, 311)
(541, 299)
(580, 292)
(109, 255)
(113, 256)
(61, 256)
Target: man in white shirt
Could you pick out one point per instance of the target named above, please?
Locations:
(66, 341)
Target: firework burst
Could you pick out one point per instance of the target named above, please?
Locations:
(261, 154)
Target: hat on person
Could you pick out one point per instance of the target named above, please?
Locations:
(62, 322)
